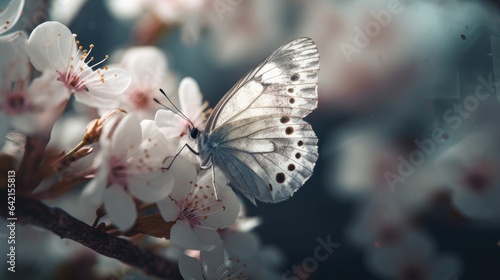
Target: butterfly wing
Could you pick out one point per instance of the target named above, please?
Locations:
(263, 145)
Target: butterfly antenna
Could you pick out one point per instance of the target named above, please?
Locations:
(180, 113)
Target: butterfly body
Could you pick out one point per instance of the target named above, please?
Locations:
(256, 135)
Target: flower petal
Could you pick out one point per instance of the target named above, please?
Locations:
(168, 209)
(50, 46)
(94, 191)
(120, 207)
(208, 235)
(212, 261)
(184, 172)
(190, 97)
(169, 123)
(151, 187)
(190, 268)
(93, 101)
(14, 61)
(183, 235)
(11, 15)
(225, 211)
(242, 245)
(147, 66)
(47, 92)
(127, 135)
(115, 82)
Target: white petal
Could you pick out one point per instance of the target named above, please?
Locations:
(168, 209)
(242, 245)
(224, 211)
(184, 172)
(4, 127)
(190, 97)
(147, 66)
(127, 135)
(14, 60)
(11, 15)
(50, 46)
(154, 148)
(120, 207)
(209, 236)
(47, 92)
(116, 81)
(169, 123)
(26, 123)
(190, 268)
(151, 187)
(90, 100)
(183, 235)
(65, 11)
(94, 191)
(212, 261)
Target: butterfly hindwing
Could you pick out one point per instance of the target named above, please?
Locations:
(275, 174)
(263, 145)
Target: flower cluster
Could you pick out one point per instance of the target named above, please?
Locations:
(117, 142)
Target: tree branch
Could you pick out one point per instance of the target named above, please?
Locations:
(35, 212)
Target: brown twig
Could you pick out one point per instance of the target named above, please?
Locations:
(31, 211)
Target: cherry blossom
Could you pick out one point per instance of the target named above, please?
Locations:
(193, 206)
(148, 68)
(413, 257)
(130, 166)
(191, 104)
(52, 48)
(470, 170)
(30, 106)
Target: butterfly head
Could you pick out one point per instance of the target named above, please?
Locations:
(193, 132)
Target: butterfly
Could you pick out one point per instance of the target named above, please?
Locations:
(256, 134)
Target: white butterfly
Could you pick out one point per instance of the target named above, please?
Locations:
(256, 136)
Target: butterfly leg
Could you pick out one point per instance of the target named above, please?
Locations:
(213, 182)
(178, 153)
(206, 167)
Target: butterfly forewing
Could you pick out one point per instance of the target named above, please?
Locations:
(263, 145)
(291, 71)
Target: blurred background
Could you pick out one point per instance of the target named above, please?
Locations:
(408, 177)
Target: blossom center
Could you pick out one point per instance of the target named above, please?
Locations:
(479, 178)
(198, 204)
(77, 73)
(118, 172)
(140, 99)
(16, 102)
